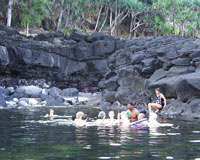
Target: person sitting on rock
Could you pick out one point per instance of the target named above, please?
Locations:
(132, 112)
(160, 101)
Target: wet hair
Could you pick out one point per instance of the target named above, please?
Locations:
(102, 115)
(157, 89)
(79, 115)
(73, 117)
(131, 103)
(84, 117)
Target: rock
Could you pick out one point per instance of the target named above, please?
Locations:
(187, 86)
(28, 91)
(11, 104)
(55, 92)
(70, 92)
(23, 104)
(111, 84)
(138, 57)
(11, 90)
(55, 101)
(109, 96)
(95, 37)
(9, 30)
(124, 95)
(173, 109)
(101, 84)
(181, 62)
(4, 58)
(110, 75)
(95, 100)
(78, 36)
(157, 75)
(105, 105)
(192, 110)
(47, 36)
(102, 49)
(178, 70)
(34, 101)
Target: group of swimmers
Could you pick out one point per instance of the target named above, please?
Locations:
(130, 117)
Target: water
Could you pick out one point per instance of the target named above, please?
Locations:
(23, 136)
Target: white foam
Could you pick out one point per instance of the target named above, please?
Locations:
(195, 141)
(169, 157)
(195, 131)
(173, 134)
(104, 157)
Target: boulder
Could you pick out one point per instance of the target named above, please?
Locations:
(179, 70)
(4, 59)
(105, 105)
(78, 36)
(55, 92)
(109, 96)
(95, 100)
(181, 62)
(125, 95)
(10, 90)
(95, 37)
(157, 75)
(28, 91)
(138, 57)
(111, 84)
(70, 92)
(55, 101)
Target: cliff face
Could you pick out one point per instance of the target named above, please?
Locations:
(124, 70)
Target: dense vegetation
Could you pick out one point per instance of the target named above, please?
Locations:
(128, 18)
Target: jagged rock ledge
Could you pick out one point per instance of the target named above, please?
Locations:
(123, 70)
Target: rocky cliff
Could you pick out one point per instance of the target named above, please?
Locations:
(124, 70)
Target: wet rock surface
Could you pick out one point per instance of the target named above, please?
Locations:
(122, 70)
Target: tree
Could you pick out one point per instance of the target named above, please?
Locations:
(33, 11)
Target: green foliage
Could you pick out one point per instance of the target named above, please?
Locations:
(161, 17)
(65, 31)
(33, 11)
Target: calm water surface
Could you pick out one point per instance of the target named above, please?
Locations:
(27, 135)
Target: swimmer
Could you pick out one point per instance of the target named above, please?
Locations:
(82, 121)
(111, 120)
(78, 116)
(101, 118)
(132, 112)
(154, 123)
(51, 113)
(124, 118)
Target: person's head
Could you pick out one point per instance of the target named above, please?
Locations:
(157, 90)
(130, 106)
(73, 117)
(79, 115)
(51, 112)
(141, 116)
(124, 115)
(111, 114)
(84, 117)
(102, 115)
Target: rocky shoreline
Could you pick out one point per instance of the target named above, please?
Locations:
(121, 70)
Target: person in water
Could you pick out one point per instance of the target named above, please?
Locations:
(101, 118)
(160, 101)
(82, 121)
(51, 113)
(132, 112)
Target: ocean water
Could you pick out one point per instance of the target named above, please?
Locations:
(28, 135)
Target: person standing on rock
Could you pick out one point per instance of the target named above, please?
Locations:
(160, 102)
(132, 112)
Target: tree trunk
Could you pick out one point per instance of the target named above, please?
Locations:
(99, 15)
(27, 29)
(60, 16)
(104, 20)
(10, 3)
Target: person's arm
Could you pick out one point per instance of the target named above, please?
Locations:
(165, 101)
